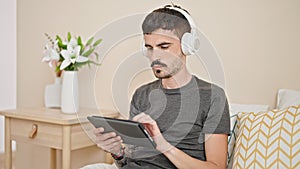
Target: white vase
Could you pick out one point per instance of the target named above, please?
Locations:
(69, 92)
(52, 94)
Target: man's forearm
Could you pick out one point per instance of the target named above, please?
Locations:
(183, 161)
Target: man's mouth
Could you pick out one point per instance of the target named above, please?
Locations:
(157, 64)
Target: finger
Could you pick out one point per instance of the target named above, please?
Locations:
(111, 141)
(135, 118)
(105, 136)
(108, 144)
(144, 118)
(98, 131)
(116, 149)
(141, 117)
(112, 147)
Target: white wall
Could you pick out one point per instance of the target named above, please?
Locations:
(8, 60)
(258, 42)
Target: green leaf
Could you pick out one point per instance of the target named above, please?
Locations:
(81, 50)
(69, 36)
(97, 42)
(60, 44)
(87, 53)
(79, 41)
(95, 63)
(97, 56)
(89, 41)
(80, 64)
(59, 39)
(71, 67)
(61, 59)
(57, 68)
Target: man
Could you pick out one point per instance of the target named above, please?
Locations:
(188, 118)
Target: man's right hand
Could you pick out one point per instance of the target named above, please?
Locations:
(109, 142)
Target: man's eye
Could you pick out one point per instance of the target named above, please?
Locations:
(149, 48)
(164, 46)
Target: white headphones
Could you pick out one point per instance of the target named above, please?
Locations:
(190, 42)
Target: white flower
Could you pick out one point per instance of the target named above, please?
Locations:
(50, 55)
(72, 54)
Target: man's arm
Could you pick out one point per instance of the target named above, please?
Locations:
(215, 148)
(216, 153)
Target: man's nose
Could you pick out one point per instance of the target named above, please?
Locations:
(154, 54)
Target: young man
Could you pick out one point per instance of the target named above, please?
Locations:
(188, 118)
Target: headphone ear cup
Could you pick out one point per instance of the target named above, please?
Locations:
(186, 44)
(190, 43)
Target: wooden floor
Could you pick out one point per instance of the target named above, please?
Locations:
(2, 160)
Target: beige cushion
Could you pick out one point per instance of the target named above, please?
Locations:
(268, 139)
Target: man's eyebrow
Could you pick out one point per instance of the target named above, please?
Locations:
(147, 45)
(164, 43)
(160, 44)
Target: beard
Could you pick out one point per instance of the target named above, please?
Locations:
(162, 74)
(168, 71)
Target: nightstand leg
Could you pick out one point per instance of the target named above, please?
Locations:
(66, 152)
(52, 158)
(8, 151)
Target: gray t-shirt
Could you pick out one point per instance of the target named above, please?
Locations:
(183, 115)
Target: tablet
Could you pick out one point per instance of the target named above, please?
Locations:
(131, 132)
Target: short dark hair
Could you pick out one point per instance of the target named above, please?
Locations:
(168, 19)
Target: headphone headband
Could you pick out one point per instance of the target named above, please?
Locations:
(185, 14)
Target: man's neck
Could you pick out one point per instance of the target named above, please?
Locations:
(177, 81)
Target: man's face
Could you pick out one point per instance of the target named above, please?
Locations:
(164, 53)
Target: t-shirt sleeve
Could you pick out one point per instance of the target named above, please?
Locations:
(218, 119)
(133, 106)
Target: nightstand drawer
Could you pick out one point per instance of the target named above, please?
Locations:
(39, 133)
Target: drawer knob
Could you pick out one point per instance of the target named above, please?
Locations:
(33, 132)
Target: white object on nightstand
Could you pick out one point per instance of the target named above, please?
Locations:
(53, 94)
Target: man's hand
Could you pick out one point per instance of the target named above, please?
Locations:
(109, 142)
(153, 129)
(216, 147)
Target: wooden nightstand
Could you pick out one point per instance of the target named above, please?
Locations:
(50, 128)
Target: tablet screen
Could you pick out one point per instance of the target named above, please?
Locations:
(131, 132)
